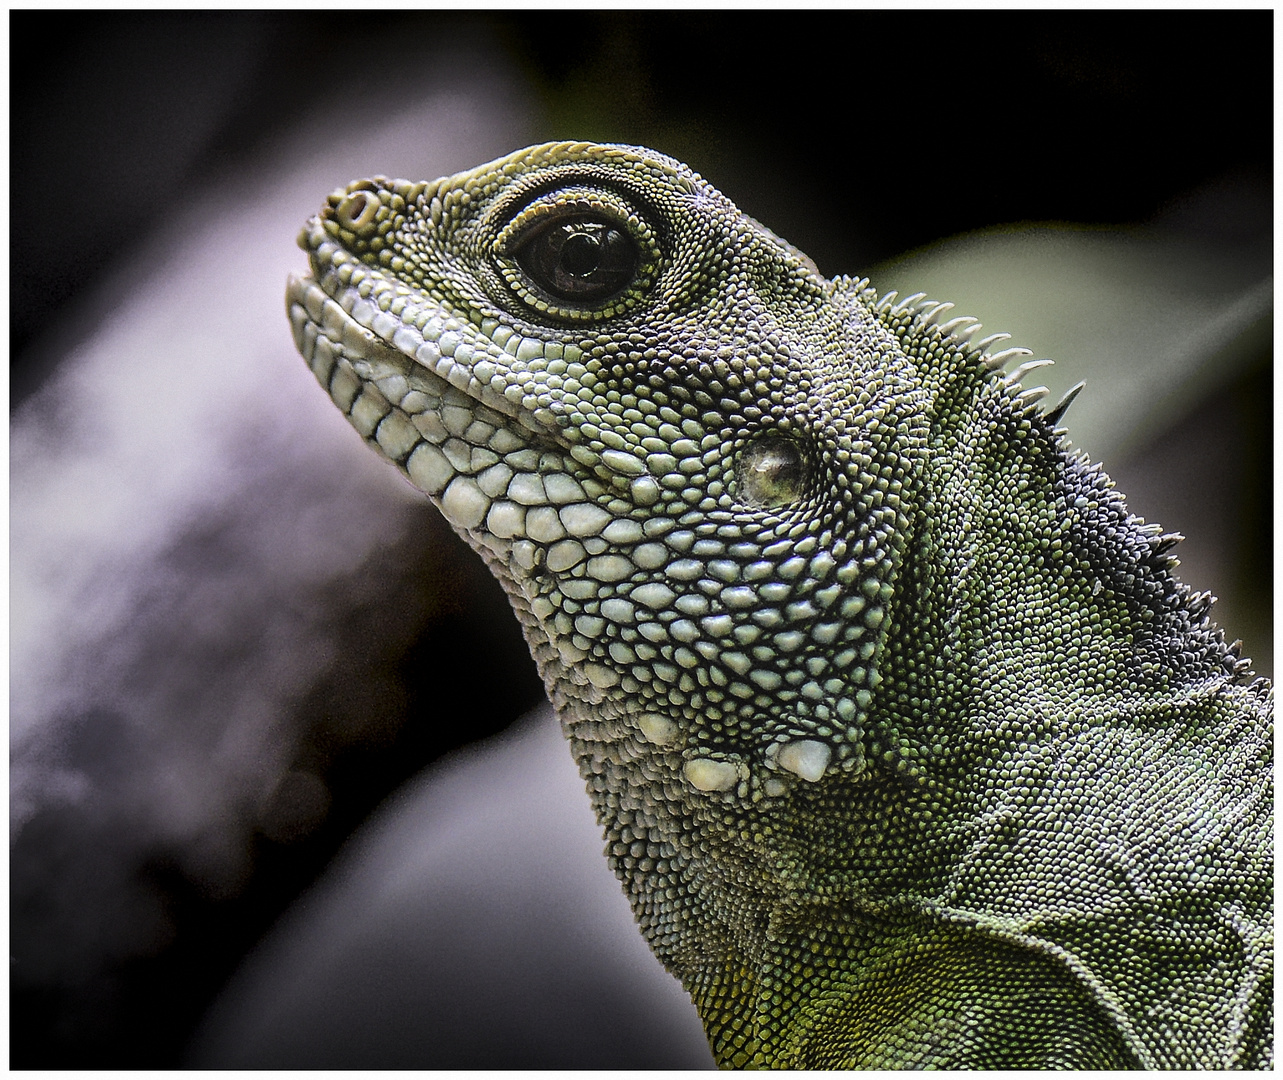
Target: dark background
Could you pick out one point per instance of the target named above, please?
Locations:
(856, 135)
(897, 124)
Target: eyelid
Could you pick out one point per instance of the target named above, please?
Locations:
(540, 212)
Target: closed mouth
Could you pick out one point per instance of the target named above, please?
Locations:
(330, 323)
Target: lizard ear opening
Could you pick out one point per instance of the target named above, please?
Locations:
(771, 471)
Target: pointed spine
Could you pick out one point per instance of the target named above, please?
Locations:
(1200, 604)
(999, 360)
(1057, 411)
(1027, 397)
(928, 315)
(1014, 377)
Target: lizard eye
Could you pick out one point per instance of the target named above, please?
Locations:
(578, 253)
(579, 258)
(771, 472)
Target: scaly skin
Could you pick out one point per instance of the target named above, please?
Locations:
(908, 747)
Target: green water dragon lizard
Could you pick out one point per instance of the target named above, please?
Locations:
(908, 747)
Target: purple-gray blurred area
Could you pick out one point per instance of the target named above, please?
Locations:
(234, 630)
(268, 805)
(420, 917)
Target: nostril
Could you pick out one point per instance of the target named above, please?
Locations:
(357, 210)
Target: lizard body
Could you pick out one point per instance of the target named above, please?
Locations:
(908, 747)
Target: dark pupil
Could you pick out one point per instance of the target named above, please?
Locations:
(581, 253)
(580, 259)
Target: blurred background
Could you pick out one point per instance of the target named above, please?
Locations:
(241, 646)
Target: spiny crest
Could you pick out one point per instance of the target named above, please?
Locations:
(918, 315)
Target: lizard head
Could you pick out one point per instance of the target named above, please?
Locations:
(683, 454)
